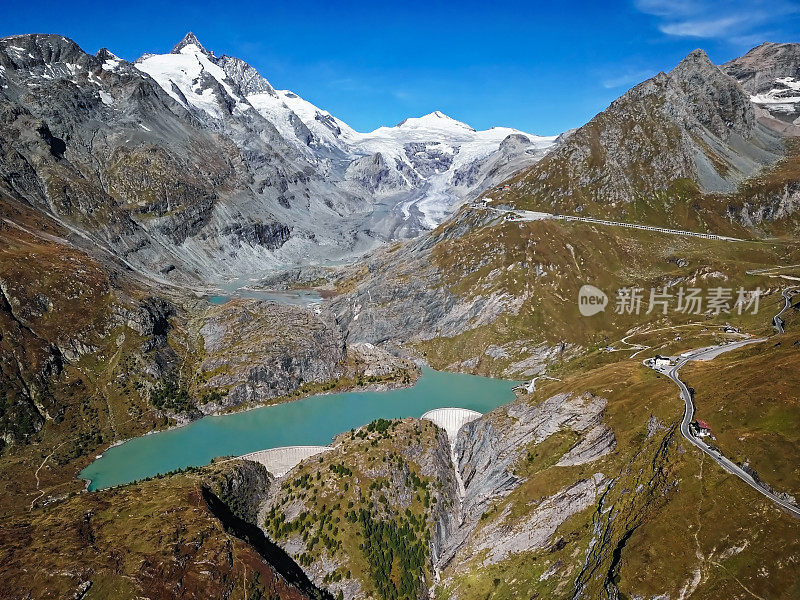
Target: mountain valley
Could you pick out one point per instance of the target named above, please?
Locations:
(141, 201)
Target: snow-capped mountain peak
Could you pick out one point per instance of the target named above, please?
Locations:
(434, 120)
(424, 165)
(192, 76)
(190, 45)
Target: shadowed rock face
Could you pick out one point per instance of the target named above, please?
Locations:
(770, 73)
(267, 549)
(243, 485)
(269, 235)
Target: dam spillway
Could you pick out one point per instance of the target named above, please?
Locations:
(279, 461)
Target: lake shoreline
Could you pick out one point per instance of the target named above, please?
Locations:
(281, 400)
(312, 420)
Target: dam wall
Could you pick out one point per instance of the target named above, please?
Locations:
(280, 461)
(451, 419)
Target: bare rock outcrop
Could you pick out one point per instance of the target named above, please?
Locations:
(241, 484)
(259, 350)
(770, 73)
(488, 449)
(502, 537)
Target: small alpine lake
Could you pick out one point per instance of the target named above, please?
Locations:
(292, 298)
(241, 288)
(311, 421)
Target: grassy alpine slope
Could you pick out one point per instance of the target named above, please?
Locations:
(164, 538)
(672, 522)
(362, 518)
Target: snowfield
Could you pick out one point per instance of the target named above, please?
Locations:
(422, 169)
(784, 98)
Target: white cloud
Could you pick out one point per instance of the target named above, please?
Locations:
(710, 19)
(666, 8)
(703, 29)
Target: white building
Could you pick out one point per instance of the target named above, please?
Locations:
(661, 361)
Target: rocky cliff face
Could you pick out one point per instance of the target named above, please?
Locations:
(375, 175)
(261, 350)
(241, 484)
(489, 449)
(762, 208)
(515, 153)
(405, 294)
(694, 123)
(770, 74)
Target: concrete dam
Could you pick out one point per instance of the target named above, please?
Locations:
(451, 419)
(280, 461)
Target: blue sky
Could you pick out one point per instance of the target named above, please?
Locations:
(540, 68)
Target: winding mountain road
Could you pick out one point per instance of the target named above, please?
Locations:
(671, 371)
(530, 215)
(777, 321)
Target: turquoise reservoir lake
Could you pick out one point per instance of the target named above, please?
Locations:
(311, 421)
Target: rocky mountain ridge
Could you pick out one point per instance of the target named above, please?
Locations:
(693, 124)
(421, 162)
(192, 168)
(770, 73)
